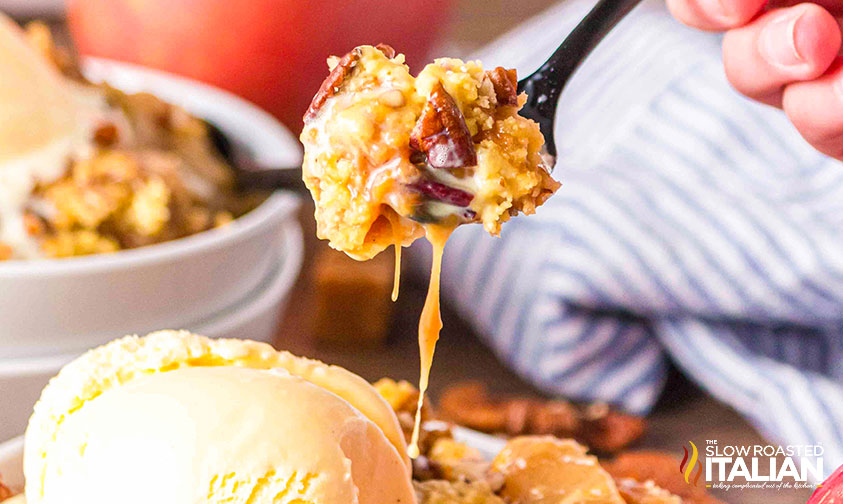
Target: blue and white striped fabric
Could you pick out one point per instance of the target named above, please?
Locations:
(692, 225)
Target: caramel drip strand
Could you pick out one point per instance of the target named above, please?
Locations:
(396, 233)
(430, 324)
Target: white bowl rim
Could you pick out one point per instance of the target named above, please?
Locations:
(278, 202)
(27, 366)
(11, 448)
(279, 282)
(270, 141)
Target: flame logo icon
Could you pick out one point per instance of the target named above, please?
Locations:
(686, 467)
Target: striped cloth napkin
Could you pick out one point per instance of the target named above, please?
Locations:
(692, 226)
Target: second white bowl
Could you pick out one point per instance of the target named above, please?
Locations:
(256, 318)
(53, 307)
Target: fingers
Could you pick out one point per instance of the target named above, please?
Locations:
(715, 15)
(835, 7)
(816, 109)
(788, 56)
(782, 46)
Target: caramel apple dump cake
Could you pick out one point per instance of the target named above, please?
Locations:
(526, 470)
(390, 158)
(88, 169)
(387, 153)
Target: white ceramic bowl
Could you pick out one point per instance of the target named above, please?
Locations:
(57, 307)
(256, 318)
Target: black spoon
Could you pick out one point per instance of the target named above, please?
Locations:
(543, 88)
(248, 174)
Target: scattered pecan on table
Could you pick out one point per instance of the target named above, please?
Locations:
(660, 468)
(607, 430)
(598, 426)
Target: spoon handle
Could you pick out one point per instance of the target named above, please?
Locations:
(544, 86)
(269, 179)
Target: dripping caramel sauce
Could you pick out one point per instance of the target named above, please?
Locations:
(430, 323)
(396, 283)
(396, 232)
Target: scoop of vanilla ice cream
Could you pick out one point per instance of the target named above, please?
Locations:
(223, 435)
(36, 105)
(44, 119)
(178, 418)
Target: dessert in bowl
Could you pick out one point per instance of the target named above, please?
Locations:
(174, 417)
(390, 157)
(129, 186)
(95, 169)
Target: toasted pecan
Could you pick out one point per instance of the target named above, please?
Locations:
(596, 425)
(386, 49)
(505, 83)
(331, 85)
(468, 403)
(644, 492)
(425, 469)
(559, 418)
(518, 412)
(660, 468)
(441, 133)
(606, 430)
(106, 134)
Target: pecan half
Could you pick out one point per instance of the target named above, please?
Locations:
(425, 469)
(386, 49)
(106, 134)
(610, 431)
(441, 133)
(662, 469)
(331, 85)
(596, 425)
(505, 83)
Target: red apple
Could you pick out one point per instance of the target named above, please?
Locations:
(271, 52)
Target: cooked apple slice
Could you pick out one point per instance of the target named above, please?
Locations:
(549, 470)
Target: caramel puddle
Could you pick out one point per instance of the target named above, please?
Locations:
(430, 323)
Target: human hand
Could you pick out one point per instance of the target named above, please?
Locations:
(784, 54)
